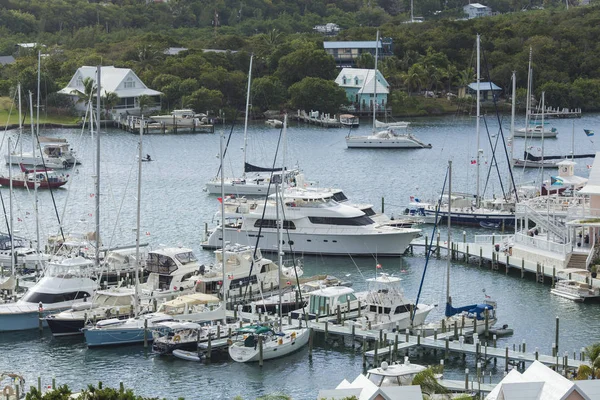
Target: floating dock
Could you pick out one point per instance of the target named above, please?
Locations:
(550, 112)
(317, 118)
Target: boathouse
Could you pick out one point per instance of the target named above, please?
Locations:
(122, 81)
(476, 10)
(486, 90)
(362, 90)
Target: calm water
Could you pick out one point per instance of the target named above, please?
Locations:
(175, 209)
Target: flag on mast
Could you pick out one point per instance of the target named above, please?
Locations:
(589, 132)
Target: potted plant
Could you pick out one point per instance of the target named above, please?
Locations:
(594, 271)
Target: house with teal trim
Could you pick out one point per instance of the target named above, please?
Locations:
(364, 88)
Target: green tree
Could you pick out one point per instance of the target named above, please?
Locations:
(305, 63)
(365, 60)
(267, 93)
(89, 89)
(428, 382)
(144, 101)
(203, 100)
(317, 94)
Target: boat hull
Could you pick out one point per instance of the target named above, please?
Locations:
(4, 181)
(359, 243)
(271, 350)
(63, 327)
(112, 337)
(187, 355)
(475, 219)
(239, 188)
(375, 143)
(536, 134)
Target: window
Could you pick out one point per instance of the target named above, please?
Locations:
(160, 264)
(344, 79)
(356, 81)
(272, 224)
(354, 221)
(51, 298)
(339, 197)
(369, 211)
(129, 83)
(79, 81)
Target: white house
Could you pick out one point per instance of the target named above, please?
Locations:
(360, 88)
(475, 10)
(122, 81)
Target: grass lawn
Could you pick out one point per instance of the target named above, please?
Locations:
(9, 114)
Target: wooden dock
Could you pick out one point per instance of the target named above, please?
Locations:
(131, 123)
(317, 118)
(550, 112)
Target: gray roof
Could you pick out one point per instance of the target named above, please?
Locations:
(591, 388)
(484, 86)
(351, 45)
(6, 60)
(172, 51)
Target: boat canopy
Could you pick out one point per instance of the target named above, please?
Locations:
(473, 309)
(254, 329)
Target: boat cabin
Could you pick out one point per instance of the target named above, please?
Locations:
(325, 301)
(395, 374)
(169, 268)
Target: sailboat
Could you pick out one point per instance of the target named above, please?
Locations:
(391, 136)
(483, 313)
(256, 184)
(465, 209)
(533, 129)
(259, 342)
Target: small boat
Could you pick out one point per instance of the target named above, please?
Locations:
(176, 335)
(386, 139)
(537, 131)
(573, 289)
(349, 121)
(56, 153)
(504, 330)
(42, 178)
(274, 123)
(489, 225)
(188, 355)
(184, 117)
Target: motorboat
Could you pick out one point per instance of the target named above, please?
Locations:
(247, 272)
(178, 335)
(349, 121)
(25, 255)
(188, 355)
(171, 270)
(293, 297)
(536, 131)
(256, 181)
(573, 289)
(185, 117)
(388, 138)
(385, 306)
(195, 307)
(55, 153)
(256, 342)
(274, 123)
(478, 317)
(313, 224)
(415, 211)
(109, 303)
(326, 301)
(43, 179)
(63, 284)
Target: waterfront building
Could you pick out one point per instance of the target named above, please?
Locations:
(476, 10)
(362, 86)
(345, 54)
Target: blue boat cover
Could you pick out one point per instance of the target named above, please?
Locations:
(473, 310)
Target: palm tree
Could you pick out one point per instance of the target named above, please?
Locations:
(89, 88)
(110, 99)
(428, 382)
(144, 102)
(465, 77)
(592, 352)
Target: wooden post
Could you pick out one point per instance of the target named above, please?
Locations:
(40, 318)
(219, 331)
(364, 350)
(556, 335)
(506, 360)
(425, 244)
(339, 314)
(260, 350)
(437, 250)
(326, 328)
(375, 354)
(480, 256)
(395, 346)
(487, 323)
(466, 378)
(310, 342)
(382, 205)
(145, 333)
(447, 350)
(407, 333)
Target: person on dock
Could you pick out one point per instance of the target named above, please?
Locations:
(148, 158)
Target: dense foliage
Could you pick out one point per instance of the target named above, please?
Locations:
(437, 55)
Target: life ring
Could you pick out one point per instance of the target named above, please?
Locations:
(293, 335)
(8, 391)
(177, 338)
(280, 341)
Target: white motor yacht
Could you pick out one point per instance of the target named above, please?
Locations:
(56, 153)
(64, 283)
(313, 223)
(185, 117)
(572, 284)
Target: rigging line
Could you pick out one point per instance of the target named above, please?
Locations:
(430, 250)
(512, 177)
(12, 104)
(262, 218)
(9, 165)
(227, 144)
(494, 161)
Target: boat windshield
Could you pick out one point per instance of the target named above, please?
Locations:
(160, 263)
(68, 271)
(186, 258)
(108, 300)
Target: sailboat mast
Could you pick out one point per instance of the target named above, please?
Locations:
(543, 134)
(224, 286)
(278, 201)
(477, 200)
(375, 84)
(512, 119)
(98, 88)
(20, 126)
(10, 205)
(448, 299)
(138, 218)
(246, 117)
(528, 101)
(35, 185)
(38, 93)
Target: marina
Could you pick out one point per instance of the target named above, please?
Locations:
(184, 163)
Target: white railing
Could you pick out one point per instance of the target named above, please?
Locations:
(492, 239)
(590, 256)
(543, 244)
(584, 213)
(542, 220)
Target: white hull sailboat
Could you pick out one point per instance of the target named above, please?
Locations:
(274, 344)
